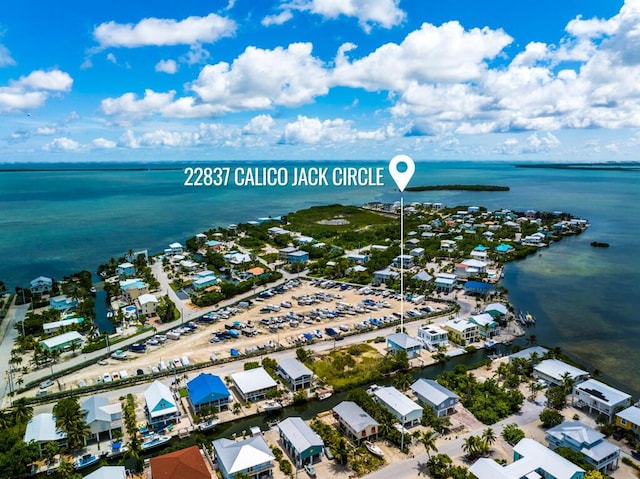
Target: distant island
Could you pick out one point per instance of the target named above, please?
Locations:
(458, 188)
(626, 166)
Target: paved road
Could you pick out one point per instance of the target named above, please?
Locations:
(9, 334)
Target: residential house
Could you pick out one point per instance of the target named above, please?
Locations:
(422, 276)
(101, 417)
(448, 245)
(530, 460)
(256, 272)
(479, 253)
(285, 252)
(504, 248)
(253, 385)
(189, 265)
(298, 257)
(433, 336)
(237, 258)
(601, 398)
(445, 282)
(63, 303)
(251, 456)
(161, 407)
(214, 245)
(434, 395)
(478, 287)
(629, 419)
(63, 341)
(303, 240)
(277, 231)
(358, 258)
(595, 449)
(207, 390)
(400, 406)
(132, 288)
(204, 279)
(466, 330)
(355, 423)
(147, 304)
(470, 267)
(417, 252)
(295, 373)
(41, 284)
(182, 464)
(553, 371)
(487, 327)
(174, 249)
(55, 326)
(528, 353)
(404, 342)
(108, 472)
(496, 310)
(42, 429)
(302, 443)
(125, 270)
(384, 276)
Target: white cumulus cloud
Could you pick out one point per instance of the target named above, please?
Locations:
(62, 144)
(103, 143)
(167, 66)
(162, 31)
(33, 90)
(384, 13)
(258, 125)
(338, 130)
(130, 107)
(277, 19)
(5, 57)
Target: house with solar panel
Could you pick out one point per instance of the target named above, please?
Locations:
(302, 443)
(251, 456)
(160, 405)
(295, 373)
(600, 397)
(207, 390)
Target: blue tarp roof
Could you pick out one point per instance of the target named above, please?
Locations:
(477, 287)
(206, 388)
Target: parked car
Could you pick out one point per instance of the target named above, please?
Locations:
(46, 383)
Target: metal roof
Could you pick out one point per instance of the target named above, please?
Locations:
(299, 434)
(42, 428)
(108, 472)
(555, 369)
(253, 380)
(435, 393)
(354, 416)
(206, 388)
(159, 400)
(404, 341)
(631, 414)
(294, 368)
(603, 392)
(241, 455)
(397, 401)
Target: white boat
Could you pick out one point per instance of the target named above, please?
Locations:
(85, 461)
(155, 441)
(271, 406)
(373, 449)
(325, 395)
(208, 425)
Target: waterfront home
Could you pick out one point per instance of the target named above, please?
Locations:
(403, 342)
(529, 353)
(417, 252)
(125, 270)
(63, 341)
(358, 258)
(41, 284)
(600, 397)
(533, 239)
(445, 282)
(487, 327)
(477, 287)
(253, 385)
(355, 423)
(504, 248)
(204, 281)
(466, 330)
(236, 258)
(496, 310)
(101, 417)
(207, 390)
(437, 397)
(174, 249)
(295, 373)
(629, 419)
(479, 253)
(530, 459)
(384, 276)
(214, 245)
(553, 371)
(132, 288)
(108, 472)
(183, 464)
(251, 456)
(400, 406)
(591, 444)
(433, 336)
(62, 303)
(53, 327)
(470, 267)
(448, 245)
(422, 276)
(42, 429)
(147, 304)
(161, 407)
(302, 443)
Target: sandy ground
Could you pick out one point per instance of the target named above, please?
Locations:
(198, 348)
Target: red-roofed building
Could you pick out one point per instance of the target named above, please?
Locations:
(183, 464)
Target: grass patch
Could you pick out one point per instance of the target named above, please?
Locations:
(355, 365)
(309, 221)
(183, 392)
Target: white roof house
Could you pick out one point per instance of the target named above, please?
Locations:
(355, 422)
(403, 408)
(108, 472)
(435, 395)
(295, 373)
(253, 384)
(147, 298)
(241, 456)
(533, 456)
(552, 371)
(575, 435)
(53, 326)
(102, 416)
(42, 428)
(300, 440)
(60, 341)
(601, 397)
(159, 400)
(526, 353)
(631, 415)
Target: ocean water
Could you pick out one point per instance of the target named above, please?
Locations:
(55, 221)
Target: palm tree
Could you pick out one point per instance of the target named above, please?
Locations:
(6, 419)
(341, 451)
(70, 419)
(489, 437)
(65, 468)
(532, 340)
(428, 440)
(403, 381)
(22, 412)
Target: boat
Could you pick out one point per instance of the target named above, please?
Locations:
(92, 290)
(119, 354)
(310, 470)
(373, 449)
(85, 461)
(155, 441)
(117, 448)
(325, 395)
(271, 406)
(208, 425)
(490, 344)
(138, 347)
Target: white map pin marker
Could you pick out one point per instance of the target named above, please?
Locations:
(402, 178)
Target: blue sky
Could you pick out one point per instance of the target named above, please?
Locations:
(319, 79)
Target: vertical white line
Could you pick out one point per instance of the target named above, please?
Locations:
(401, 264)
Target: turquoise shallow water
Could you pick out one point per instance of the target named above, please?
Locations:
(586, 299)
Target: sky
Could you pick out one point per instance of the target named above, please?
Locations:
(211, 80)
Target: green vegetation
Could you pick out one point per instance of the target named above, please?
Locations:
(70, 418)
(550, 418)
(512, 433)
(441, 466)
(457, 188)
(476, 446)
